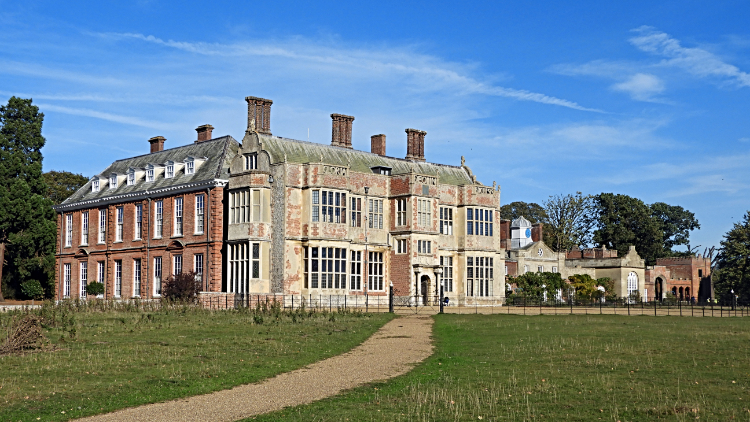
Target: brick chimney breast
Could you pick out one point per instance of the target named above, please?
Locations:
(157, 143)
(341, 130)
(258, 115)
(204, 133)
(415, 144)
(377, 144)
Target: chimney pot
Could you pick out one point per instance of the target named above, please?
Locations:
(415, 144)
(157, 143)
(377, 144)
(258, 115)
(341, 132)
(204, 133)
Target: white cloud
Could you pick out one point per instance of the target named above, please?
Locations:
(106, 116)
(641, 86)
(428, 73)
(697, 61)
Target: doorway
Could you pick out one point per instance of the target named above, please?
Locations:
(424, 284)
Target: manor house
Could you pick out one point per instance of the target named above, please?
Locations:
(277, 215)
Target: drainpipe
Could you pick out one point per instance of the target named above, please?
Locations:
(207, 225)
(148, 250)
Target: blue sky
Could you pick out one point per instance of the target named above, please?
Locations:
(649, 99)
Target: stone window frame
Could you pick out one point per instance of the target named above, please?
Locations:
(118, 278)
(375, 213)
(137, 277)
(243, 264)
(402, 246)
(68, 230)
(446, 220)
(102, 226)
(138, 226)
(158, 275)
(479, 273)
(446, 278)
(328, 206)
(424, 213)
(326, 267)
(401, 212)
(356, 211)
(355, 273)
(179, 208)
(83, 275)
(479, 221)
(375, 276)
(245, 206)
(66, 280)
(424, 247)
(251, 161)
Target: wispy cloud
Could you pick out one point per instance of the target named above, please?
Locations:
(429, 72)
(641, 86)
(39, 71)
(106, 116)
(697, 61)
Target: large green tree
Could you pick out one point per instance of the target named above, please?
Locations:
(62, 184)
(27, 220)
(623, 221)
(675, 223)
(531, 211)
(733, 264)
(569, 221)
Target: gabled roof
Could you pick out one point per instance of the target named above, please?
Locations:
(219, 153)
(300, 152)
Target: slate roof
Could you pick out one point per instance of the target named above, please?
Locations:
(301, 152)
(218, 153)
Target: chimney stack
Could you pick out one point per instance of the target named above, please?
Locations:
(377, 144)
(415, 144)
(341, 133)
(157, 143)
(204, 133)
(537, 232)
(259, 115)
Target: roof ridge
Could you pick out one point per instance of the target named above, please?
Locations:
(221, 138)
(359, 151)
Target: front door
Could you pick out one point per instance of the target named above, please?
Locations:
(424, 285)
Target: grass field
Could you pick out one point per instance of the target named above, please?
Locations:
(579, 368)
(111, 360)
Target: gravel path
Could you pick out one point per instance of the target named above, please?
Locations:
(391, 351)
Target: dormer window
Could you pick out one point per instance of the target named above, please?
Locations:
(131, 178)
(169, 173)
(190, 167)
(113, 181)
(386, 171)
(95, 185)
(150, 174)
(251, 161)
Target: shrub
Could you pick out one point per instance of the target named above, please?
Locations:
(95, 288)
(183, 287)
(32, 289)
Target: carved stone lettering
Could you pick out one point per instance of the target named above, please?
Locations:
(484, 190)
(425, 180)
(334, 170)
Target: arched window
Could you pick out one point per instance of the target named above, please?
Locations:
(632, 283)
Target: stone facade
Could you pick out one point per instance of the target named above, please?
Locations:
(336, 221)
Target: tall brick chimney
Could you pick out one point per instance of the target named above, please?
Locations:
(537, 232)
(204, 133)
(377, 144)
(415, 144)
(341, 133)
(157, 143)
(259, 114)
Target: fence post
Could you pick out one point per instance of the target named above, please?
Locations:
(390, 299)
(679, 305)
(628, 304)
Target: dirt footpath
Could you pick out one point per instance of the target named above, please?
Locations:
(391, 351)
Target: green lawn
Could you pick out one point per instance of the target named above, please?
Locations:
(122, 359)
(612, 368)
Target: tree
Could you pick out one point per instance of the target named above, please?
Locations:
(675, 224)
(182, 287)
(536, 284)
(62, 184)
(531, 211)
(27, 220)
(623, 221)
(733, 264)
(569, 221)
